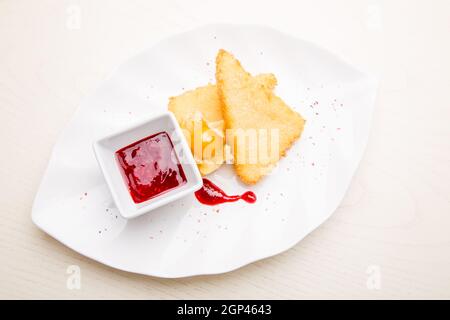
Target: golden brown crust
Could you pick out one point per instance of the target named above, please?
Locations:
(249, 105)
(205, 101)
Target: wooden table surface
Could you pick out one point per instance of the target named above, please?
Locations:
(390, 238)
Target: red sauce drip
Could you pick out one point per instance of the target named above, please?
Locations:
(210, 194)
(150, 167)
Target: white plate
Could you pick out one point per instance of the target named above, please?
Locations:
(185, 238)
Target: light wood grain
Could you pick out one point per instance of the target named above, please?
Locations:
(396, 215)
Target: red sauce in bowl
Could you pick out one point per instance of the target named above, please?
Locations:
(150, 167)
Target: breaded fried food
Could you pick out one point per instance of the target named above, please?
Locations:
(247, 105)
(199, 114)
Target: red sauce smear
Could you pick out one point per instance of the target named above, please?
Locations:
(150, 167)
(210, 194)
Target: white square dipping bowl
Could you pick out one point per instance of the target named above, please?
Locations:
(105, 152)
